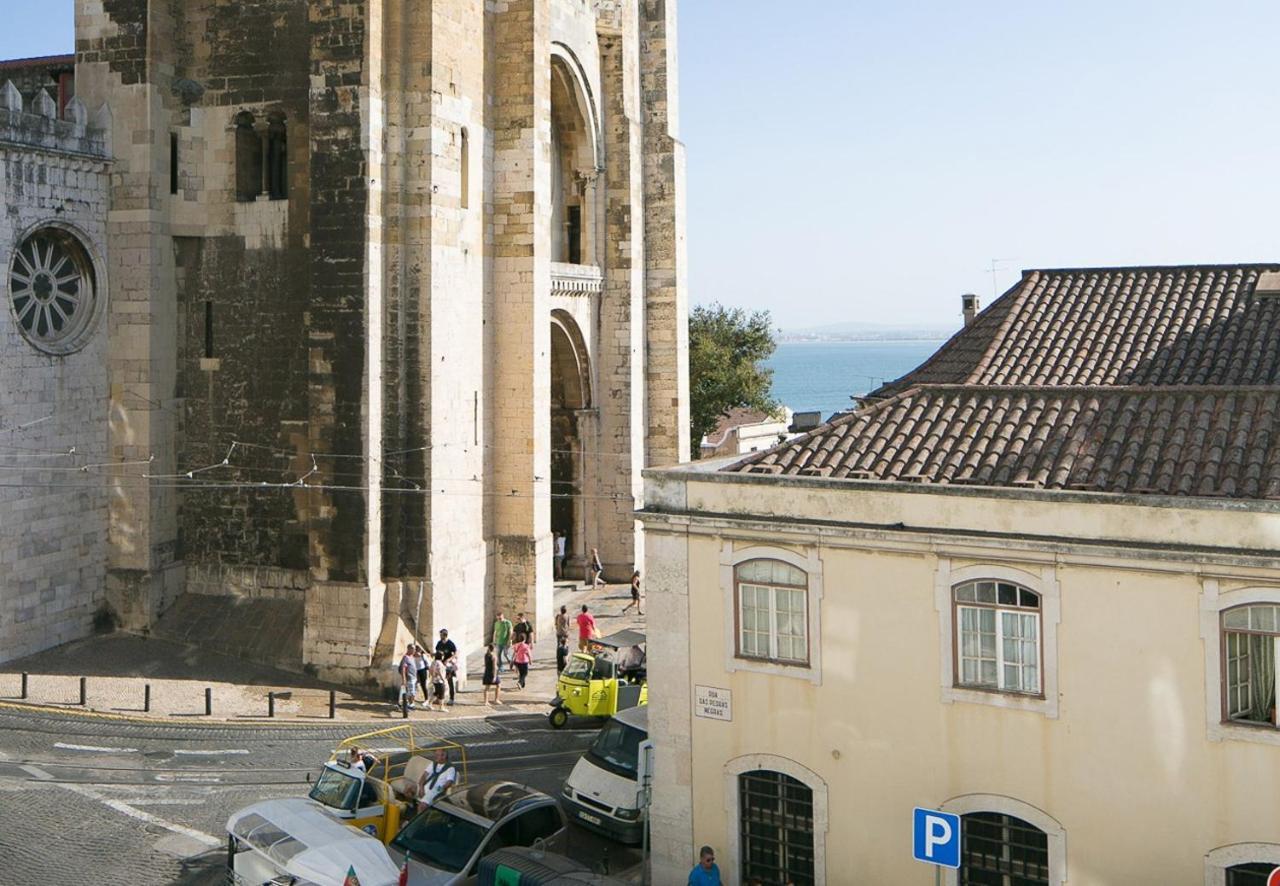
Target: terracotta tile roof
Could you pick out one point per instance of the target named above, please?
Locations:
(1161, 380)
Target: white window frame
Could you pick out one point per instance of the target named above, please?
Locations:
(1053, 830)
(1044, 582)
(809, 563)
(733, 839)
(1217, 861)
(771, 633)
(1213, 602)
(1000, 611)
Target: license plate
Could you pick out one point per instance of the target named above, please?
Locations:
(589, 818)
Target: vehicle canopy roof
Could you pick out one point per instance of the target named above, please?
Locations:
(622, 639)
(491, 800)
(300, 839)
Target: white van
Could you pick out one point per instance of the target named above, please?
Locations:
(606, 790)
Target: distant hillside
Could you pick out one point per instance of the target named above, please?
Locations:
(854, 331)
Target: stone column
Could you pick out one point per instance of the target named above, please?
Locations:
(622, 309)
(116, 64)
(521, 280)
(344, 606)
(666, 284)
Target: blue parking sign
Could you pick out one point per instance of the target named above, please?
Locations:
(937, 838)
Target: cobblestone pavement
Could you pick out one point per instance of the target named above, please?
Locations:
(103, 798)
(118, 667)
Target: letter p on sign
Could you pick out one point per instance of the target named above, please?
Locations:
(936, 838)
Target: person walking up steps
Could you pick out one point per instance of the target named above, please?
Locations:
(595, 569)
(635, 594)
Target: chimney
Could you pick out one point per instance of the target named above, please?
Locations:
(969, 305)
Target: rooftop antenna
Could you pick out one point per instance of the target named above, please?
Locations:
(996, 264)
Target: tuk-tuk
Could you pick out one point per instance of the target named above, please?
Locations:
(608, 679)
(292, 841)
(373, 799)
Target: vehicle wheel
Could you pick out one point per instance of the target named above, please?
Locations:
(558, 718)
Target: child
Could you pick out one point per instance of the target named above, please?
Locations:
(492, 679)
(436, 671)
(522, 654)
(562, 653)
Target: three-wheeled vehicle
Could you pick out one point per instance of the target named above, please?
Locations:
(375, 801)
(292, 841)
(609, 679)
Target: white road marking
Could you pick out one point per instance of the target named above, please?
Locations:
(133, 812)
(94, 748)
(194, 779)
(156, 801)
(37, 772)
(190, 753)
(496, 744)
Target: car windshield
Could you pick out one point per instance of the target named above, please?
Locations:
(617, 748)
(577, 669)
(443, 841)
(335, 789)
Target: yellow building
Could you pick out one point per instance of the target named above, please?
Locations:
(1035, 583)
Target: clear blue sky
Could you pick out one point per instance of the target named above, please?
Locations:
(867, 160)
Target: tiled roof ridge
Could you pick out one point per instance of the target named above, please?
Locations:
(978, 387)
(1204, 266)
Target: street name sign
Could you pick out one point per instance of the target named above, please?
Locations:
(712, 703)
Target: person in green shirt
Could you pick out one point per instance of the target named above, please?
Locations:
(502, 638)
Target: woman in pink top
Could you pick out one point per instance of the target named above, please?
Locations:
(521, 654)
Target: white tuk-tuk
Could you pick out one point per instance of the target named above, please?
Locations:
(294, 843)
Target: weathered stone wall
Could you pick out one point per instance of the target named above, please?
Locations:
(53, 406)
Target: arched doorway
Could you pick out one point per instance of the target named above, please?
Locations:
(570, 428)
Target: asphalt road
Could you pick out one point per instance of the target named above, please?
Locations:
(87, 801)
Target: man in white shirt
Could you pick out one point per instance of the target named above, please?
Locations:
(437, 779)
(558, 555)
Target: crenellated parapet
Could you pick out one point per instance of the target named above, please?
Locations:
(36, 124)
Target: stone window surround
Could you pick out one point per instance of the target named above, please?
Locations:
(1046, 585)
(1057, 834)
(1217, 861)
(98, 283)
(751, 763)
(811, 565)
(1213, 601)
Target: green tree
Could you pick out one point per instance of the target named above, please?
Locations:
(726, 349)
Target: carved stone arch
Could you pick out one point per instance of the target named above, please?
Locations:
(565, 62)
(1218, 861)
(772, 763)
(571, 362)
(1033, 815)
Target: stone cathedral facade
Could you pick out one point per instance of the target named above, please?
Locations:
(389, 291)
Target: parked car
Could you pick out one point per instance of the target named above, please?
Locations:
(605, 791)
(533, 867)
(444, 844)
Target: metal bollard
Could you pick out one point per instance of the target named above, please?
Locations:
(146, 698)
(208, 701)
(84, 690)
(333, 704)
(271, 704)
(24, 684)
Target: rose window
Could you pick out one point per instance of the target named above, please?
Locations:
(51, 290)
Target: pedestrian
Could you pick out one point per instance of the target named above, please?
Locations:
(420, 661)
(436, 674)
(522, 654)
(449, 650)
(437, 778)
(596, 569)
(502, 638)
(524, 626)
(408, 677)
(635, 594)
(562, 625)
(562, 654)
(586, 629)
(705, 872)
(491, 678)
(557, 558)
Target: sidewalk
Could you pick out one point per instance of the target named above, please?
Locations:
(118, 667)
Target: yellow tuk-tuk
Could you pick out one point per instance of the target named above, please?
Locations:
(375, 800)
(600, 683)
